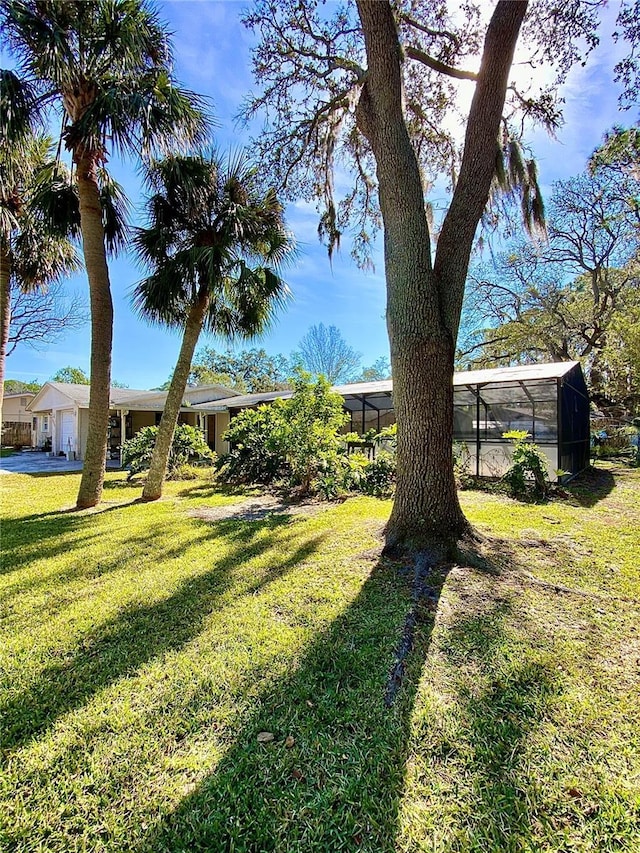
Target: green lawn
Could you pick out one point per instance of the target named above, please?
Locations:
(144, 649)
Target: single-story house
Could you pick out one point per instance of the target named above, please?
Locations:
(18, 424)
(549, 401)
(60, 411)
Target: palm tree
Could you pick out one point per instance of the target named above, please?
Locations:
(105, 64)
(215, 245)
(35, 251)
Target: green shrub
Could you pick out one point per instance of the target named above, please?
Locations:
(462, 465)
(188, 445)
(295, 442)
(355, 467)
(257, 452)
(612, 442)
(528, 471)
(380, 480)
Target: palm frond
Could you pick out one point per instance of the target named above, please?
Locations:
(19, 114)
(115, 212)
(210, 226)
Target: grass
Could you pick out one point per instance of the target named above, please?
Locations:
(144, 649)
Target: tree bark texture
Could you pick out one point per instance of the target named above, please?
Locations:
(95, 258)
(5, 314)
(158, 468)
(422, 300)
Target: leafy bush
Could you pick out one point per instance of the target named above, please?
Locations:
(257, 450)
(297, 443)
(612, 442)
(528, 472)
(462, 465)
(292, 441)
(188, 445)
(380, 473)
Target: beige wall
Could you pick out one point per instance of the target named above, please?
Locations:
(222, 424)
(142, 419)
(14, 410)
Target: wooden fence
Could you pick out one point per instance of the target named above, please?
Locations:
(16, 434)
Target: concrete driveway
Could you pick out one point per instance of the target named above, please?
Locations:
(35, 462)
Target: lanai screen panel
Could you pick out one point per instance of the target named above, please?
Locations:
(369, 411)
(574, 423)
(484, 412)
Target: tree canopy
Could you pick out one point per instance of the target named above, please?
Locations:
(72, 375)
(572, 296)
(323, 351)
(248, 370)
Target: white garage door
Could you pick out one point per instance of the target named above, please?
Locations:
(67, 431)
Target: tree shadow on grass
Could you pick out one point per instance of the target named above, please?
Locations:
(142, 632)
(333, 778)
(42, 535)
(592, 486)
(504, 702)
(333, 775)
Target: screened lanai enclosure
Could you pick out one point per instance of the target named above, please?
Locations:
(549, 401)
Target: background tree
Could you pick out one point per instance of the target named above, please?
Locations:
(105, 66)
(324, 352)
(34, 250)
(380, 369)
(39, 318)
(71, 375)
(77, 376)
(619, 152)
(252, 370)
(214, 244)
(17, 386)
(372, 91)
(558, 299)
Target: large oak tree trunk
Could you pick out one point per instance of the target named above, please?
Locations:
(158, 468)
(95, 258)
(5, 315)
(424, 300)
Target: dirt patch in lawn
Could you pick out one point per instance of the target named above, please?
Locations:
(257, 509)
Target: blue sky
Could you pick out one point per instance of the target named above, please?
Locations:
(212, 52)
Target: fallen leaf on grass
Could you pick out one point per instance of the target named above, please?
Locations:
(289, 742)
(265, 737)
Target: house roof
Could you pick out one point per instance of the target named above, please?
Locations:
(520, 373)
(79, 394)
(127, 397)
(384, 387)
(18, 394)
(217, 398)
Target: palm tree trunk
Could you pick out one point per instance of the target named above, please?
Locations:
(95, 258)
(160, 457)
(5, 315)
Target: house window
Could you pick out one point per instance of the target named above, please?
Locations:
(23, 402)
(45, 423)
